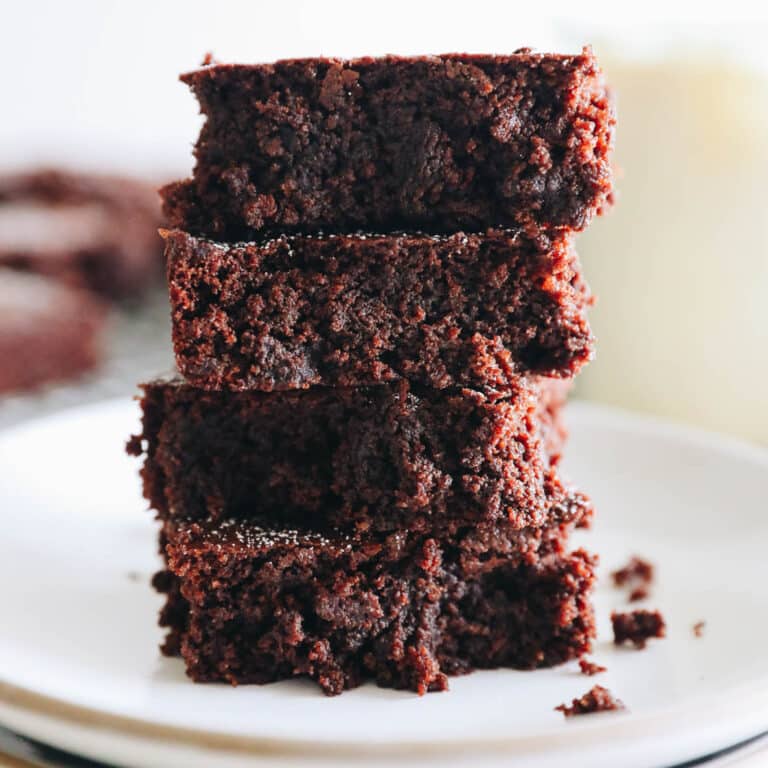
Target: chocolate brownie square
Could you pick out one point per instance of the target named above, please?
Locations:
(382, 457)
(429, 142)
(250, 604)
(458, 310)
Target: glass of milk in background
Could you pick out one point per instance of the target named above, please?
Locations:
(680, 264)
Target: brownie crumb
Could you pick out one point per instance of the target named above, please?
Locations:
(589, 668)
(637, 627)
(698, 628)
(639, 593)
(133, 446)
(636, 572)
(598, 699)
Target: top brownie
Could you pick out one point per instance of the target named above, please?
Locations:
(433, 142)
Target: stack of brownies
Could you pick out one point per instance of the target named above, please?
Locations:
(377, 307)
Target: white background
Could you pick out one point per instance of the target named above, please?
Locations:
(95, 83)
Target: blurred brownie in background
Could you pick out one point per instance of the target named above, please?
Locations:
(48, 331)
(86, 230)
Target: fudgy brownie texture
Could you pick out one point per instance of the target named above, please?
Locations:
(248, 604)
(637, 627)
(456, 310)
(433, 142)
(48, 331)
(382, 457)
(597, 699)
(90, 231)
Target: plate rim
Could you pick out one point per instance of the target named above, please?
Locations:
(609, 727)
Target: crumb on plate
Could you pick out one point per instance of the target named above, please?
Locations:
(637, 627)
(597, 699)
(590, 668)
(636, 571)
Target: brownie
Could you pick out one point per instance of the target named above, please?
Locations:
(48, 331)
(597, 699)
(249, 604)
(431, 142)
(382, 457)
(91, 231)
(637, 576)
(458, 310)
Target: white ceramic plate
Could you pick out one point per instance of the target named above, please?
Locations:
(79, 665)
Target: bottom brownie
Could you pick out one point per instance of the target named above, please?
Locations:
(252, 605)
